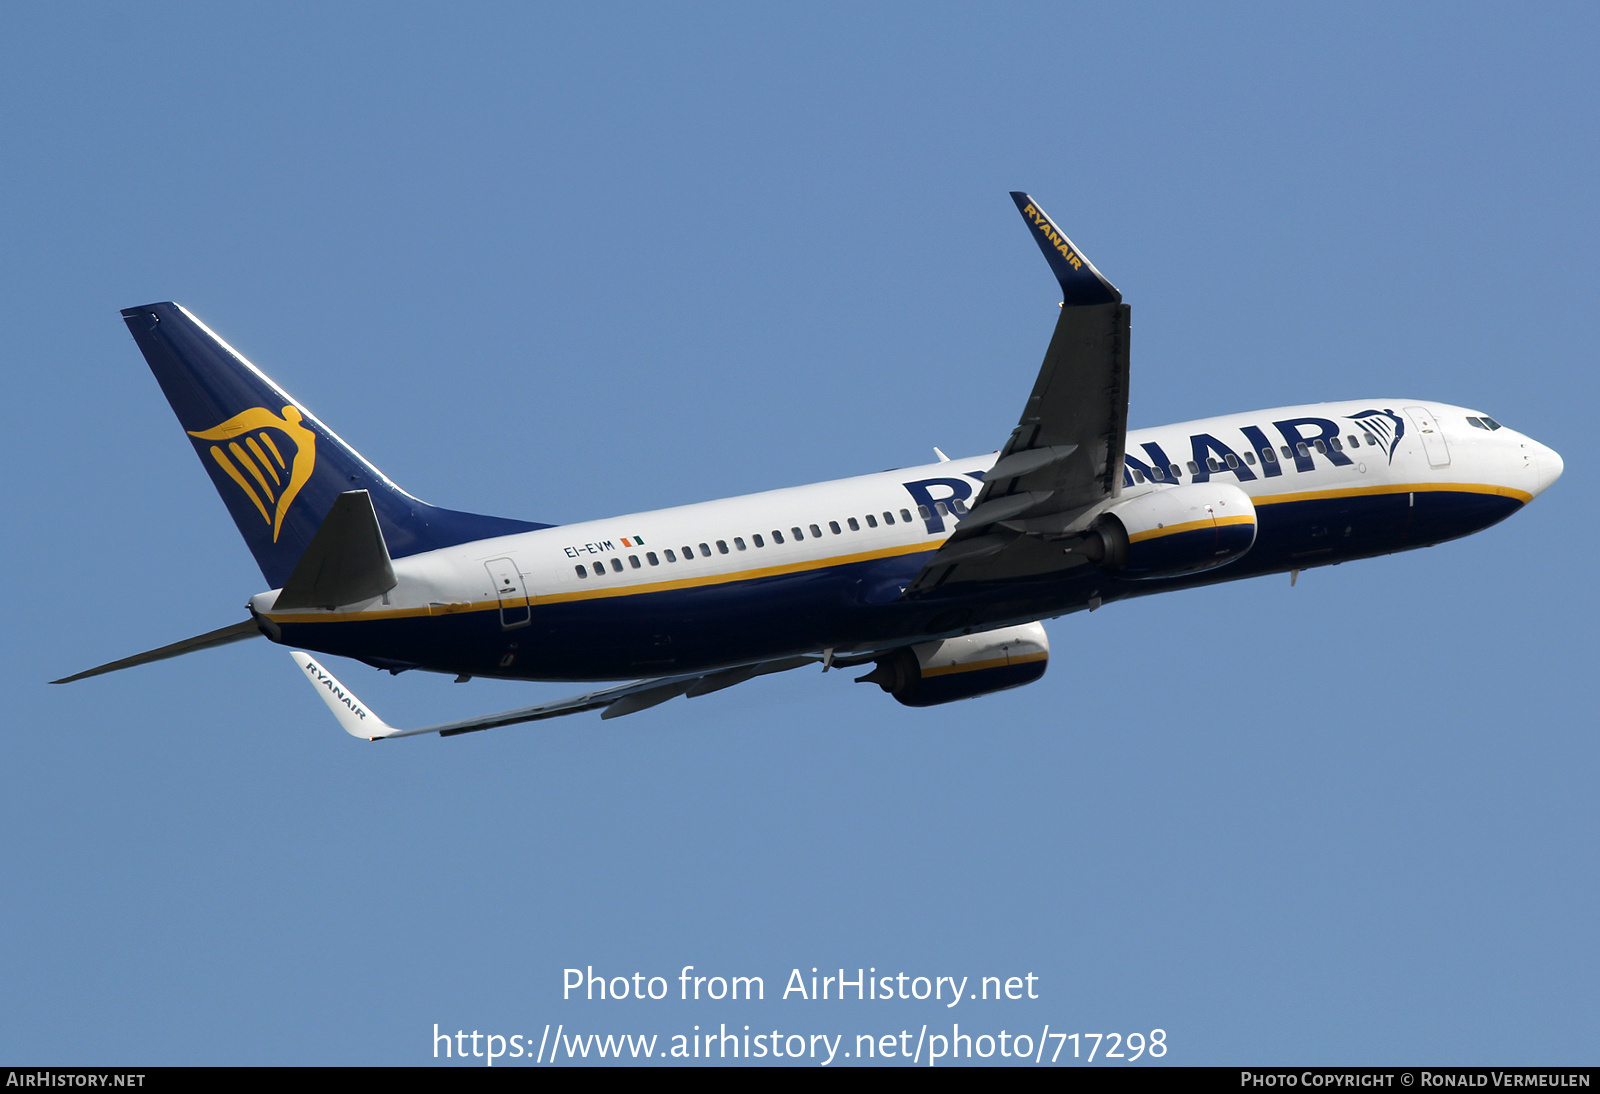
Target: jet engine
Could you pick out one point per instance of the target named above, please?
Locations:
(931, 673)
(1172, 531)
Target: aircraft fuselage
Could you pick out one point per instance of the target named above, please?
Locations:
(820, 567)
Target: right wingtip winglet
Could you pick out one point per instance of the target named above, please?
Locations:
(355, 717)
(1081, 283)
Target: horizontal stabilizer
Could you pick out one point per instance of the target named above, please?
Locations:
(1081, 283)
(358, 719)
(236, 632)
(345, 562)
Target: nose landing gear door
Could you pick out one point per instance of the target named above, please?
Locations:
(1433, 442)
(513, 593)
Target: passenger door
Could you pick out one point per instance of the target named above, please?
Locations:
(1433, 442)
(513, 593)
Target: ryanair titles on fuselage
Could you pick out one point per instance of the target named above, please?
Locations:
(1303, 438)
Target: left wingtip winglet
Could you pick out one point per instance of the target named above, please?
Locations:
(356, 718)
(1081, 283)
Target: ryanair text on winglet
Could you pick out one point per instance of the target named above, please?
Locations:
(1046, 229)
(335, 690)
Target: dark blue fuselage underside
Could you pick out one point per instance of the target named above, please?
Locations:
(854, 606)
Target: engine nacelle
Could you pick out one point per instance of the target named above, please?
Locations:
(1173, 531)
(931, 673)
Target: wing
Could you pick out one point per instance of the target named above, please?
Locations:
(1065, 456)
(358, 719)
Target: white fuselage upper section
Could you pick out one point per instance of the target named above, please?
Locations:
(1382, 445)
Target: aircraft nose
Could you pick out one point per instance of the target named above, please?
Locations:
(1547, 467)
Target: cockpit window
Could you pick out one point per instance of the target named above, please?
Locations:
(1490, 422)
(1476, 423)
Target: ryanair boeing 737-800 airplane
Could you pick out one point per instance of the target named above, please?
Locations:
(937, 576)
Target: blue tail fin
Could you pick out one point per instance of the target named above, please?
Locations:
(279, 469)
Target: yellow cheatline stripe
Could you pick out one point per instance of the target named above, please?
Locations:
(1189, 526)
(250, 465)
(262, 456)
(625, 590)
(266, 439)
(992, 663)
(233, 473)
(1402, 488)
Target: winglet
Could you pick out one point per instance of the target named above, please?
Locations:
(353, 714)
(1081, 283)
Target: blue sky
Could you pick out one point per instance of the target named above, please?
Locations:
(561, 265)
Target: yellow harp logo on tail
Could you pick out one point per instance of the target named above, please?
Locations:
(258, 462)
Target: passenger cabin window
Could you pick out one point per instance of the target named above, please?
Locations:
(582, 572)
(959, 506)
(633, 560)
(816, 532)
(939, 508)
(670, 556)
(833, 526)
(705, 550)
(797, 534)
(854, 526)
(688, 552)
(1174, 472)
(1370, 439)
(757, 540)
(1194, 468)
(872, 521)
(722, 546)
(616, 565)
(739, 542)
(1321, 447)
(777, 536)
(1287, 454)
(922, 511)
(1303, 450)
(650, 557)
(1155, 473)
(1138, 476)
(888, 518)
(1337, 446)
(1352, 441)
(905, 514)
(1268, 456)
(1249, 457)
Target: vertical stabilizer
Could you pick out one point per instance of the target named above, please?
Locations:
(278, 469)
